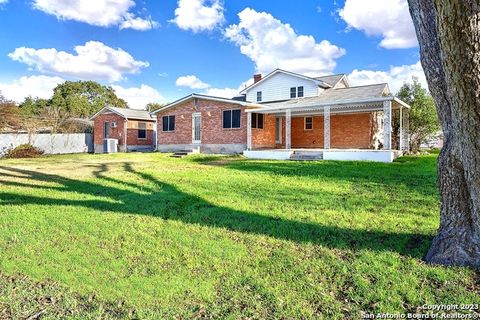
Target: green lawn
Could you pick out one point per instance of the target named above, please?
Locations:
(148, 236)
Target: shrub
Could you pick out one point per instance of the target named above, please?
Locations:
(24, 151)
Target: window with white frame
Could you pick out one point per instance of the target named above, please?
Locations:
(308, 123)
(168, 123)
(142, 130)
(296, 92)
(259, 96)
(231, 119)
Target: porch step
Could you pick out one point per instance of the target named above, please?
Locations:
(181, 153)
(306, 155)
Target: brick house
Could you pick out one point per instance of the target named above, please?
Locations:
(284, 115)
(134, 130)
(204, 123)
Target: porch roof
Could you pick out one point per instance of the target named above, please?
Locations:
(352, 99)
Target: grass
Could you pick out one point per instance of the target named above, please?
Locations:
(148, 236)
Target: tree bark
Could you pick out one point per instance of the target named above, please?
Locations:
(449, 37)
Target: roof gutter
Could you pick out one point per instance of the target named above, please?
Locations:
(199, 96)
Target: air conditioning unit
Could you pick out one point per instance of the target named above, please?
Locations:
(110, 145)
(113, 125)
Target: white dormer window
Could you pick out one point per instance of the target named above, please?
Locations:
(296, 92)
(259, 96)
(300, 92)
(293, 93)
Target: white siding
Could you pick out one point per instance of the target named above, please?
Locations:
(277, 87)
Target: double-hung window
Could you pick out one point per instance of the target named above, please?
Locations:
(231, 119)
(293, 93)
(257, 120)
(168, 123)
(142, 130)
(296, 92)
(308, 123)
(259, 96)
(300, 92)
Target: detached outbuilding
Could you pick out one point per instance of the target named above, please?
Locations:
(122, 129)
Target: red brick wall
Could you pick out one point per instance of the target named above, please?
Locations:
(302, 138)
(265, 137)
(115, 133)
(132, 133)
(346, 131)
(211, 123)
(351, 131)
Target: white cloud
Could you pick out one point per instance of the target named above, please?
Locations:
(137, 23)
(228, 92)
(192, 82)
(271, 44)
(138, 97)
(198, 15)
(395, 76)
(388, 19)
(35, 86)
(94, 60)
(3, 1)
(103, 13)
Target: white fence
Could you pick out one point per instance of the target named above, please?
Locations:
(49, 143)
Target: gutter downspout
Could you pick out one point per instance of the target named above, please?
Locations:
(125, 129)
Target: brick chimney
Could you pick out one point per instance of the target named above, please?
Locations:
(257, 77)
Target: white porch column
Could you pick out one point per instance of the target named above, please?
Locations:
(400, 145)
(288, 129)
(326, 128)
(249, 131)
(387, 125)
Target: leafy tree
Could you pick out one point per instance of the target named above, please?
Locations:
(84, 98)
(423, 119)
(33, 106)
(10, 116)
(152, 106)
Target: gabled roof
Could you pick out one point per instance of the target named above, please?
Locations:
(317, 81)
(203, 97)
(126, 113)
(334, 79)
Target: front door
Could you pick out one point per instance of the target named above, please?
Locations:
(196, 128)
(106, 135)
(106, 130)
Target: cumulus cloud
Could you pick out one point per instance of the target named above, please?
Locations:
(198, 15)
(228, 92)
(396, 76)
(388, 19)
(94, 60)
(138, 97)
(272, 44)
(103, 13)
(192, 82)
(35, 86)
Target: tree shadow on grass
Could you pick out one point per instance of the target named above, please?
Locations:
(421, 177)
(160, 199)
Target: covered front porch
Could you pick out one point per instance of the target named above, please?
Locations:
(370, 130)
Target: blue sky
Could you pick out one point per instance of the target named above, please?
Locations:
(163, 50)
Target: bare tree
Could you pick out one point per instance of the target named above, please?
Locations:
(449, 35)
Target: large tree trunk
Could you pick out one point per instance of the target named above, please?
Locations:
(449, 36)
